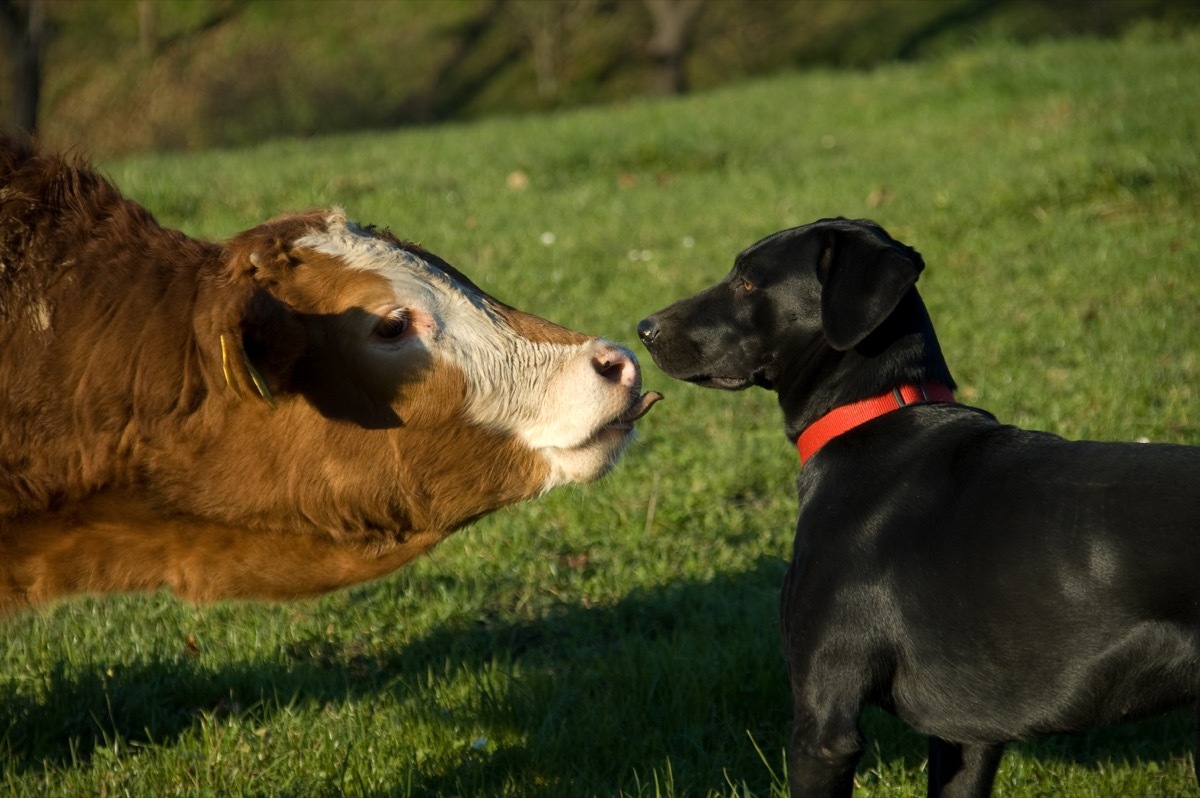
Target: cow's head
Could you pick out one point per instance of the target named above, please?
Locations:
(394, 392)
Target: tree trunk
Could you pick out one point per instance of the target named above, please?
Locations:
(673, 20)
(21, 31)
(549, 26)
(147, 27)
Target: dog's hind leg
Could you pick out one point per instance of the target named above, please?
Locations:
(962, 771)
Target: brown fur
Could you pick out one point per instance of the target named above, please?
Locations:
(126, 460)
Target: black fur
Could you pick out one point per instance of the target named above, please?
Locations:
(982, 582)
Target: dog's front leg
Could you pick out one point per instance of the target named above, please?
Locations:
(962, 771)
(822, 755)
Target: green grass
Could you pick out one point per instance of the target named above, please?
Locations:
(621, 638)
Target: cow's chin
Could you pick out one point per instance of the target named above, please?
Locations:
(588, 461)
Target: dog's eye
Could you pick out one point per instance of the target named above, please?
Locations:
(747, 286)
(392, 326)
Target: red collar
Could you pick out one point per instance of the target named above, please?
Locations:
(845, 418)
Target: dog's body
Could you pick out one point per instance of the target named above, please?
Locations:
(983, 582)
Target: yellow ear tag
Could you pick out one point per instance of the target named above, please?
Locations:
(259, 382)
(227, 367)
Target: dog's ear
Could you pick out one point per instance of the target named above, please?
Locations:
(863, 277)
(259, 334)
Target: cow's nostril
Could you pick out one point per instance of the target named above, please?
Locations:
(647, 330)
(616, 365)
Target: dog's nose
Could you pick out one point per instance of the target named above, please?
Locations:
(647, 330)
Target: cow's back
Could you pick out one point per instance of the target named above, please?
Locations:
(95, 312)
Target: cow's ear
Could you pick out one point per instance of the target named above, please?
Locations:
(863, 278)
(261, 255)
(260, 335)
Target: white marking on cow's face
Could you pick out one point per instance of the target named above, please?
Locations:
(551, 396)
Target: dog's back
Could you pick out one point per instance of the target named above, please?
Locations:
(1022, 583)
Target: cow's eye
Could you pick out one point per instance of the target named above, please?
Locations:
(393, 325)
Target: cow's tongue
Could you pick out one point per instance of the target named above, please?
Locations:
(641, 407)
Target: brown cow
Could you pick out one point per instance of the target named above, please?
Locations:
(307, 406)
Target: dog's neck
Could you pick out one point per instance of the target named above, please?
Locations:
(844, 418)
(817, 378)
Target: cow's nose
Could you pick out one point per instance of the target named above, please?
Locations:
(647, 330)
(616, 365)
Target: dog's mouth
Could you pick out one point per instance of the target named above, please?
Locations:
(723, 383)
(728, 383)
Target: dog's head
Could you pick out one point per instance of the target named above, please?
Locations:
(801, 308)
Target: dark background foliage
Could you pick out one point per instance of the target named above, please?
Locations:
(118, 76)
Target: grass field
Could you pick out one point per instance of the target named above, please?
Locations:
(621, 638)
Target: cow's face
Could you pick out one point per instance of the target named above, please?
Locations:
(446, 388)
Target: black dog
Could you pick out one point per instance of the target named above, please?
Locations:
(982, 582)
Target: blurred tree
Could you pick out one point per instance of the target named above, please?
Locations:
(454, 80)
(147, 29)
(22, 29)
(673, 23)
(548, 25)
(233, 72)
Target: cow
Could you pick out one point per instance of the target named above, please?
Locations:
(306, 406)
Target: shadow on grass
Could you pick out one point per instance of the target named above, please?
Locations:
(602, 692)
(607, 690)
